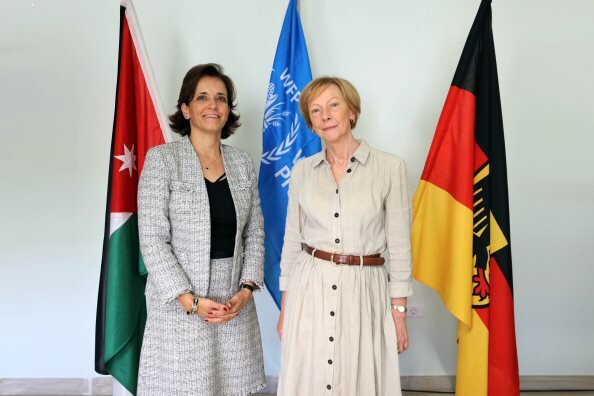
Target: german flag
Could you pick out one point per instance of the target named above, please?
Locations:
(461, 235)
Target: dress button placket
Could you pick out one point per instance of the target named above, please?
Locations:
(331, 278)
(331, 298)
(336, 220)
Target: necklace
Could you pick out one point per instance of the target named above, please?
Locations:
(208, 161)
(213, 162)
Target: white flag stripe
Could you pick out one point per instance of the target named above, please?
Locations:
(146, 68)
(117, 219)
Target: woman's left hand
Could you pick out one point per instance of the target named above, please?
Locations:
(401, 331)
(239, 300)
(400, 324)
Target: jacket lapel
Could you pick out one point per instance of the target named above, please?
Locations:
(190, 169)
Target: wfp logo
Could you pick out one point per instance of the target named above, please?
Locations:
(273, 114)
(276, 117)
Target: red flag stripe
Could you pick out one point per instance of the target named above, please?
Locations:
(503, 359)
(132, 115)
(450, 163)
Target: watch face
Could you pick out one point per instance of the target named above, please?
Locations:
(400, 308)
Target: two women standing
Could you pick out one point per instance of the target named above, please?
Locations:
(343, 314)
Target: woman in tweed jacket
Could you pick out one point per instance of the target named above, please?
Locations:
(201, 237)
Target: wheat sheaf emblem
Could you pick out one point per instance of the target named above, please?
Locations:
(273, 116)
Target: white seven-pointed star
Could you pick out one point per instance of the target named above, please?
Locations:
(128, 159)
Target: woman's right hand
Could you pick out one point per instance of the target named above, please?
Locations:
(281, 317)
(279, 325)
(211, 311)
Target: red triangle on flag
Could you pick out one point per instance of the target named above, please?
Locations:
(136, 126)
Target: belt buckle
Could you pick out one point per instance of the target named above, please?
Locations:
(332, 259)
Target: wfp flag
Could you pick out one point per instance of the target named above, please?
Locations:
(461, 234)
(138, 125)
(285, 139)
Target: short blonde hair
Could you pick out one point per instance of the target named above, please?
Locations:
(315, 88)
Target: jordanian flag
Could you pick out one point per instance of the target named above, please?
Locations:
(461, 233)
(138, 126)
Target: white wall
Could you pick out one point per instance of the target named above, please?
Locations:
(58, 63)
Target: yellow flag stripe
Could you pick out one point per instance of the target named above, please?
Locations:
(442, 236)
(473, 358)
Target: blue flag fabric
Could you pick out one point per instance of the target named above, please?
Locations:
(285, 139)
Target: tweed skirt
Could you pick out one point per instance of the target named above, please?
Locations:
(183, 355)
(339, 337)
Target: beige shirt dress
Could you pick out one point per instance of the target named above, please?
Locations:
(339, 337)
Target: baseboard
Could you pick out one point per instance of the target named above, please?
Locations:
(557, 382)
(56, 386)
(96, 386)
(447, 383)
(102, 386)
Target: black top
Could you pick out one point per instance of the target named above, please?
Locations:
(223, 221)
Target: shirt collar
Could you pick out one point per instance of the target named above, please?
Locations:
(318, 158)
(361, 154)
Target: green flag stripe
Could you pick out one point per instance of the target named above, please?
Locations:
(124, 323)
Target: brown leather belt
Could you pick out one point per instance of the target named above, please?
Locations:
(338, 258)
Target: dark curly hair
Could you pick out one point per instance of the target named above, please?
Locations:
(177, 121)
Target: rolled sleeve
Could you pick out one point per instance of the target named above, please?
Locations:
(283, 282)
(398, 222)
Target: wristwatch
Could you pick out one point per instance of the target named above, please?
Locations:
(399, 308)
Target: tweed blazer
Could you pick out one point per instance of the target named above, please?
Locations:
(174, 220)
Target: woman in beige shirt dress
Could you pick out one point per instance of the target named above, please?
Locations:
(343, 314)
